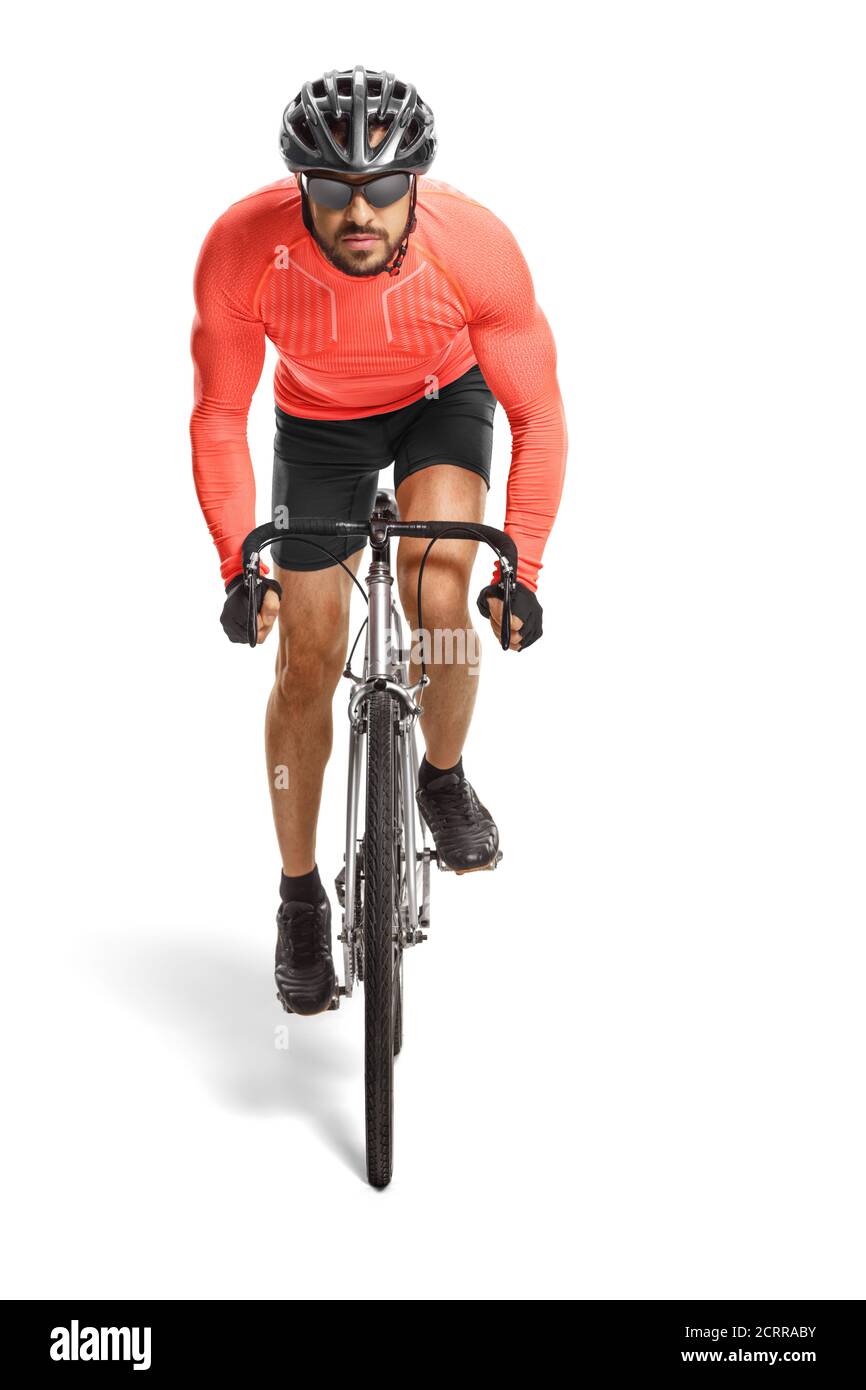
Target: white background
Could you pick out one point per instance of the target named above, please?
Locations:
(634, 1054)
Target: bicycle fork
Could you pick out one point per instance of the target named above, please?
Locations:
(385, 668)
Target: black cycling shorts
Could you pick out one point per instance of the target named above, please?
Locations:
(331, 467)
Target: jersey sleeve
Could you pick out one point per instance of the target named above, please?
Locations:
(228, 351)
(514, 346)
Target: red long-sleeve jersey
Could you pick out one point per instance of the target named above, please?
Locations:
(351, 346)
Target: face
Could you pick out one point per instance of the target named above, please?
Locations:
(360, 239)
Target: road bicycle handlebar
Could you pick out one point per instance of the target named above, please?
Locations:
(379, 530)
(373, 529)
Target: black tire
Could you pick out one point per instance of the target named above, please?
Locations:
(398, 958)
(359, 912)
(381, 884)
(398, 1008)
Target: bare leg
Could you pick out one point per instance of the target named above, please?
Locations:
(313, 634)
(443, 492)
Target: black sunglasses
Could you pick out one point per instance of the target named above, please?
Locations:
(336, 194)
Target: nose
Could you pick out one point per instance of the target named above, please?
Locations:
(359, 210)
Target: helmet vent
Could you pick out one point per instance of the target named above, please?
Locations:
(319, 129)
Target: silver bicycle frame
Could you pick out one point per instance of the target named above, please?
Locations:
(386, 668)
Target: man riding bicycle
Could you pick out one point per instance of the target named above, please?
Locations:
(401, 311)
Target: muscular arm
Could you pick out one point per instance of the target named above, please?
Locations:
(228, 350)
(514, 345)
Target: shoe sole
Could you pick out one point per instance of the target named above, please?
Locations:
(479, 868)
(312, 1014)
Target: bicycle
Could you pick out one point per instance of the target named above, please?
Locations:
(383, 887)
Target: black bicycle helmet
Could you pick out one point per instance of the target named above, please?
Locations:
(358, 100)
(354, 102)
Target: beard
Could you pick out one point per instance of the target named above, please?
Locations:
(351, 263)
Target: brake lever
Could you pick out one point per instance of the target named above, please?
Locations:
(252, 581)
(507, 581)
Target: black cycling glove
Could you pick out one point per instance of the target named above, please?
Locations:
(524, 605)
(235, 614)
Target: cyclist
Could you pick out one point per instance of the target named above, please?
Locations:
(401, 311)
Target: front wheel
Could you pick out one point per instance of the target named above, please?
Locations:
(398, 1007)
(381, 963)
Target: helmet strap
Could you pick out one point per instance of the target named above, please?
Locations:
(394, 267)
(305, 208)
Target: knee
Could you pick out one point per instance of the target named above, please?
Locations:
(444, 595)
(310, 663)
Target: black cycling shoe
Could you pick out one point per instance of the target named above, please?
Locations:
(304, 971)
(464, 831)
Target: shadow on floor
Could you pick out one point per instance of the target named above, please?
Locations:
(219, 1002)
